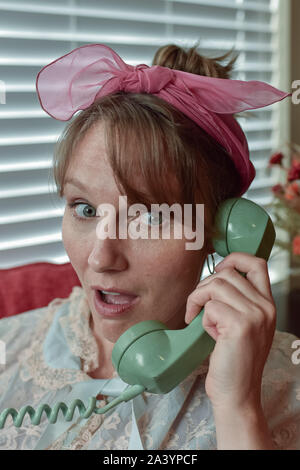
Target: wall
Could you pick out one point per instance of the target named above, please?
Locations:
(294, 35)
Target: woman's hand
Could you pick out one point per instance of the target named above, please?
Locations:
(240, 315)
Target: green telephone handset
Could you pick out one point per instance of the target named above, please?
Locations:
(149, 356)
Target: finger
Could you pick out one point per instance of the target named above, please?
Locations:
(221, 290)
(231, 275)
(221, 319)
(256, 270)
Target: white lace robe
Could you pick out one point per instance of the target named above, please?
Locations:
(181, 419)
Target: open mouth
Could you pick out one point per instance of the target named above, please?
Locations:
(112, 304)
(116, 298)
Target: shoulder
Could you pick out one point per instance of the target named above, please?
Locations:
(282, 370)
(18, 332)
(283, 339)
(282, 353)
(281, 391)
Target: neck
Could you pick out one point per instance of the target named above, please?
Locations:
(106, 368)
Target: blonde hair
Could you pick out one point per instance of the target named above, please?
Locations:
(146, 136)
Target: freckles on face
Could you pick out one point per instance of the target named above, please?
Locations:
(173, 272)
(161, 272)
(169, 263)
(74, 243)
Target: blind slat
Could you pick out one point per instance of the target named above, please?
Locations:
(233, 4)
(132, 16)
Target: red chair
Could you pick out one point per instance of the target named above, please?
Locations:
(31, 286)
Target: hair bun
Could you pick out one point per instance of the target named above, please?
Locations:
(176, 57)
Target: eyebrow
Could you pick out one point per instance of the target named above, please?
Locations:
(75, 182)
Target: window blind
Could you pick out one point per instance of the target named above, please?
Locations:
(33, 33)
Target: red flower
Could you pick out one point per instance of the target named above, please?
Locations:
(295, 187)
(296, 245)
(296, 164)
(291, 191)
(276, 158)
(278, 188)
(294, 173)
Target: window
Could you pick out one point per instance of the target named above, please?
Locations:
(33, 33)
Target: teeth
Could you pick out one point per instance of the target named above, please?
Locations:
(110, 293)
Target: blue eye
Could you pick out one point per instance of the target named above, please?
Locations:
(152, 218)
(86, 212)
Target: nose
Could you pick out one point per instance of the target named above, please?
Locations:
(106, 255)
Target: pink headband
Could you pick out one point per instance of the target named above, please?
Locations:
(76, 80)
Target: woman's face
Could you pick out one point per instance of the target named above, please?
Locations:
(161, 272)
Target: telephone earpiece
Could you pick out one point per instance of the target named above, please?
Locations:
(151, 355)
(243, 226)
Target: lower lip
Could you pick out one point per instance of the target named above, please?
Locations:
(112, 310)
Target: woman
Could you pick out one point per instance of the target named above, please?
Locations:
(155, 137)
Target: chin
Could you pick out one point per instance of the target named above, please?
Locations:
(111, 329)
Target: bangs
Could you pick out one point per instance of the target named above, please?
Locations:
(144, 158)
(156, 153)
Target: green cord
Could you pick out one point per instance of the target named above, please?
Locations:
(68, 412)
(128, 394)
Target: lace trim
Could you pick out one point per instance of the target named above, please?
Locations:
(76, 326)
(80, 340)
(85, 433)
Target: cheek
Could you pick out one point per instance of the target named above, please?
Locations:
(73, 242)
(169, 263)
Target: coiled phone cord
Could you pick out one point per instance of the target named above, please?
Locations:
(68, 411)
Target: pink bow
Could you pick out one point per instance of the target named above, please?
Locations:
(76, 80)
